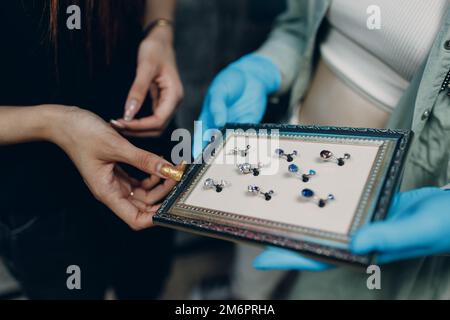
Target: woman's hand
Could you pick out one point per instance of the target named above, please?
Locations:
(156, 73)
(97, 149)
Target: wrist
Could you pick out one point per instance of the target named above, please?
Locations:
(55, 121)
(160, 30)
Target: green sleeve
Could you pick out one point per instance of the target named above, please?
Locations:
(290, 43)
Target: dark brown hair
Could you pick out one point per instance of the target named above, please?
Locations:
(104, 20)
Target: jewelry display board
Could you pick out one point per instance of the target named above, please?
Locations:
(303, 188)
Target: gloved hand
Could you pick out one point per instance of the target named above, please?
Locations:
(238, 94)
(282, 259)
(418, 224)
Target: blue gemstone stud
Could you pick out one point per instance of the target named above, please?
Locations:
(288, 156)
(310, 195)
(307, 193)
(293, 168)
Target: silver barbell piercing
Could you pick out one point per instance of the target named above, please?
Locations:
(242, 152)
(247, 168)
(255, 190)
(311, 195)
(289, 156)
(213, 184)
(327, 155)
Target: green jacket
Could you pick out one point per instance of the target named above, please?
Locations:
(424, 108)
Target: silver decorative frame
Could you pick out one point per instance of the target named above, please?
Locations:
(374, 202)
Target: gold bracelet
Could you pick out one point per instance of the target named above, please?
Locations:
(161, 22)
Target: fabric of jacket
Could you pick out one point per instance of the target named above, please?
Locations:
(424, 108)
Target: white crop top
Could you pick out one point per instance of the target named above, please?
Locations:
(380, 63)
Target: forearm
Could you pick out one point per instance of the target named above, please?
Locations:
(24, 124)
(159, 9)
(290, 43)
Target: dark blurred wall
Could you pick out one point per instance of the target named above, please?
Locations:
(212, 33)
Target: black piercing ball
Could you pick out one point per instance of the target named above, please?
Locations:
(268, 195)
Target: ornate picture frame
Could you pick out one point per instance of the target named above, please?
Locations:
(179, 211)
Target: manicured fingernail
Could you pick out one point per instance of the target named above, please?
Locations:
(130, 110)
(116, 124)
(171, 172)
(182, 166)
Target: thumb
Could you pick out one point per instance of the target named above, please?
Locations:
(387, 236)
(144, 76)
(148, 162)
(406, 200)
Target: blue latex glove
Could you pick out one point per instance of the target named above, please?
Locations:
(418, 224)
(281, 259)
(238, 94)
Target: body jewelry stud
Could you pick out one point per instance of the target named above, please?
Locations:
(310, 195)
(293, 168)
(327, 155)
(247, 168)
(211, 184)
(289, 156)
(255, 190)
(242, 152)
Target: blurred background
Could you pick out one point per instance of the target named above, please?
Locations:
(210, 35)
